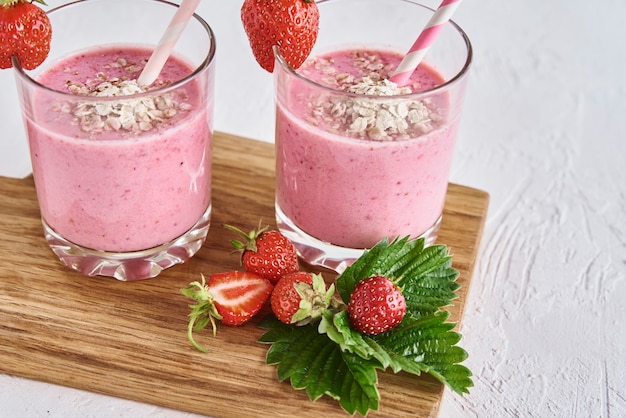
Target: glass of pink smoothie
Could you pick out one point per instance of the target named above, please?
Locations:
(358, 158)
(122, 171)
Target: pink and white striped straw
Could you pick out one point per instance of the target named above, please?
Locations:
(167, 42)
(417, 52)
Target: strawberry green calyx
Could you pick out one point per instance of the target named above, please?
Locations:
(202, 312)
(315, 300)
(10, 3)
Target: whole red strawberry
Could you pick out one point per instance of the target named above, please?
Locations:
(267, 253)
(292, 25)
(376, 305)
(25, 32)
(300, 297)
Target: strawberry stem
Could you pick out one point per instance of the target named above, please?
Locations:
(249, 238)
(190, 336)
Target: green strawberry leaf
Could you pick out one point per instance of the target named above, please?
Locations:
(337, 328)
(429, 344)
(315, 363)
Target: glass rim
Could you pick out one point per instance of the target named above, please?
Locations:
(424, 93)
(206, 62)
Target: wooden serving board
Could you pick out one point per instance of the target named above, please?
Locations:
(128, 339)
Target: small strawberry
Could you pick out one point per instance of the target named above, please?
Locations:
(25, 32)
(267, 253)
(376, 305)
(300, 297)
(233, 297)
(291, 25)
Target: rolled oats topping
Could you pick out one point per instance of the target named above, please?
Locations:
(383, 118)
(128, 114)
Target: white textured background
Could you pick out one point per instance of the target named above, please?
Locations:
(544, 134)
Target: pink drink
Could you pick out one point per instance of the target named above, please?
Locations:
(345, 188)
(113, 189)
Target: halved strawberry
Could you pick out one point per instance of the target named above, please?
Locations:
(292, 25)
(238, 295)
(25, 32)
(232, 297)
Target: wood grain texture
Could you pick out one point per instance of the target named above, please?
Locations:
(128, 339)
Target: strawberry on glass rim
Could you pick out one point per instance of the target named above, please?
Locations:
(25, 32)
(291, 25)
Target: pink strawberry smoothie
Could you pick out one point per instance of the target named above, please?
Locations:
(343, 187)
(110, 188)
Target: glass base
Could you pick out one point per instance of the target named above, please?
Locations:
(321, 253)
(129, 266)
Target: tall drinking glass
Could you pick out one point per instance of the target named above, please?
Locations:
(122, 171)
(359, 159)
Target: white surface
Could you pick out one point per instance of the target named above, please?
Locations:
(544, 134)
